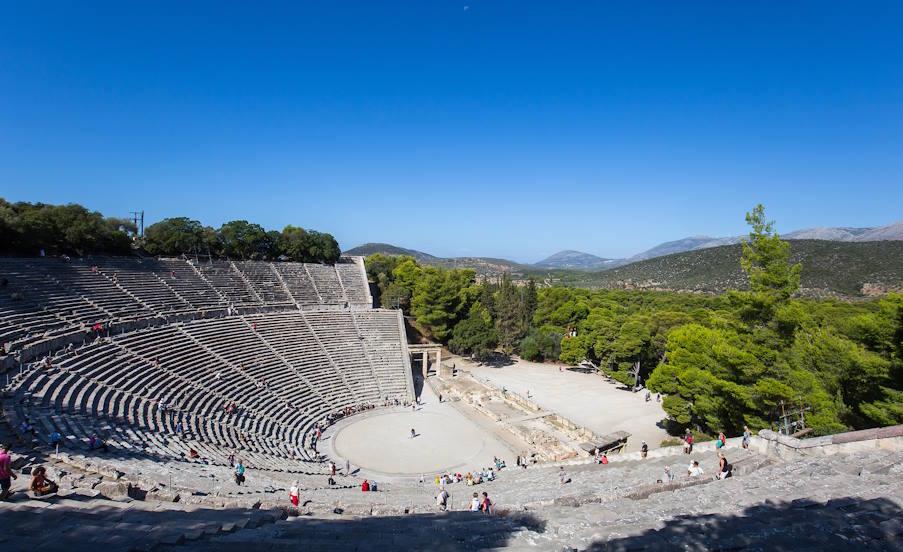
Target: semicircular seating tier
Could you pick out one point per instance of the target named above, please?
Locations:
(287, 343)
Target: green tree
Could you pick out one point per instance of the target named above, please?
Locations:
(174, 236)
(475, 334)
(531, 303)
(440, 298)
(509, 315)
(766, 259)
(407, 274)
(240, 239)
(322, 247)
(293, 243)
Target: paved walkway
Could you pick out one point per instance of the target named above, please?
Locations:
(585, 399)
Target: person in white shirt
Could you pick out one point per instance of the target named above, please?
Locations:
(694, 470)
(475, 503)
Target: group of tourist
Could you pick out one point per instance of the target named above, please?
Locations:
(54, 439)
(474, 477)
(476, 503)
(724, 469)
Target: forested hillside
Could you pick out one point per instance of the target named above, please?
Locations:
(829, 267)
(721, 361)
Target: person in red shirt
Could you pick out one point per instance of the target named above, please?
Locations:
(604, 458)
(486, 505)
(365, 486)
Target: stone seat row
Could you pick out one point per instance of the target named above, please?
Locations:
(258, 383)
(41, 295)
(65, 397)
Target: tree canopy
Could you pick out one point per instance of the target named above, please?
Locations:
(239, 239)
(27, 229)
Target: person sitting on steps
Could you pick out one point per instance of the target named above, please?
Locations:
(40, 485)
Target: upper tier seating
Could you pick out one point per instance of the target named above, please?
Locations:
(354, 282)
(223, 276)
(263, 279)
(43, 297)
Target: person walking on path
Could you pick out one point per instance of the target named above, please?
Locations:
(644, 449)
(6, 473)
(746, 435)
(347, 467)
(413, 433)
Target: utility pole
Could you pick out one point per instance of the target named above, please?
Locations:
(138, 220)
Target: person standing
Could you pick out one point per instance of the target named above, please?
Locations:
(347, 467)
(746, 435)
(293, 494)
(486, 505)
(239, 473)
(644, 449)
(6, 473)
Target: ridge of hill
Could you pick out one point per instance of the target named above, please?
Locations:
(577, 260)
(893, 231)
(850, 269)
(482, 265)
(570, 259)
(389, 249)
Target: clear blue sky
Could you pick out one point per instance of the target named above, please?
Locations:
(505, 129)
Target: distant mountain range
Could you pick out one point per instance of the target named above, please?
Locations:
(830, 268)
(578, 260)
(584, 261)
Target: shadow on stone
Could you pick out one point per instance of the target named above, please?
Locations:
(471, 531)
(846, 523)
